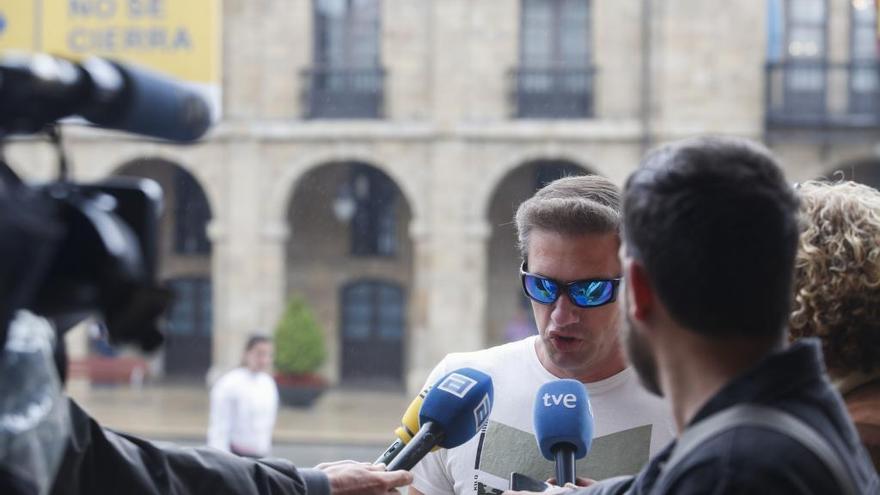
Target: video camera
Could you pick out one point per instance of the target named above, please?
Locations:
(69, 251)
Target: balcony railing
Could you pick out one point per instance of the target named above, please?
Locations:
(552, 93)
(343, 93)
(823, 94)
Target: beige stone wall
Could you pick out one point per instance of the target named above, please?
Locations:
(447, 143)
(708, 67)
(406, 29)
(617, 54)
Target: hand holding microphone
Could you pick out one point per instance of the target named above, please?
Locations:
(563, 425)
(453, 412)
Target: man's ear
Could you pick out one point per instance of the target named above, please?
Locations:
(638, 287)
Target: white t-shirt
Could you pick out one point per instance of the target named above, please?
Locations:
(243, 409)
(630, 426)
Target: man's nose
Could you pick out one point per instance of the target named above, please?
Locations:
(564, 312)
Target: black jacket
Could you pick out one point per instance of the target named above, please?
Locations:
(748, 459)
(99, 461)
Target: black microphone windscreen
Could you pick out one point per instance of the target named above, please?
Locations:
(157, 106)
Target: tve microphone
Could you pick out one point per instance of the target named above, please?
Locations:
(409, 425)
(563, 425)
(36, 90)
(453, 412)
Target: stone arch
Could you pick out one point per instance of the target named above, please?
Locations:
(326, 250)
(501, 170)
(281, 193)
(185, 265)
(205, 181)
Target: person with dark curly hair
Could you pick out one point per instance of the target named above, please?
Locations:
(837, 294)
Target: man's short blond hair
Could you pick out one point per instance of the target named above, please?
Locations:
(586, 204)
(837, 281)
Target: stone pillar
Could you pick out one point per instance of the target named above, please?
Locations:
(272, 274)
(450, 276)
(236, 256)
(448, 83)
(405, 36)
(449, 297)
(616, 55)
(708, 67)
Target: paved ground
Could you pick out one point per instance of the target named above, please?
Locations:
(341, 419)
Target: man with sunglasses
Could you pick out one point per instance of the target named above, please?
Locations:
(569, 239)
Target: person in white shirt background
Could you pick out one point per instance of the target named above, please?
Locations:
(244, 404)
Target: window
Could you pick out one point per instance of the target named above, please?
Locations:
(188, 341)
(555, 33)
(191, 215)
(190, 314)
(346, 80)
(555, 77)
(374, 225)
(864, 87)
(807, 90)
(805, 76)
(807, 28)
(373, 319)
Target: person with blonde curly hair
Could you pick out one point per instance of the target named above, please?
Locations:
(837, 294)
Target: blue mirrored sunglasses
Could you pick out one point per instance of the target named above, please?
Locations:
(589, 293)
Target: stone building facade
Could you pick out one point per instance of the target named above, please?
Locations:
(451, 134)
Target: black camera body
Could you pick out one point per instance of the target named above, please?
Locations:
(106, 261)
(69, 251)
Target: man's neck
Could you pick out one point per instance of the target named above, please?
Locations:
(694, 369)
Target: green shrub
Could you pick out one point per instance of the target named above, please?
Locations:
(299, 340)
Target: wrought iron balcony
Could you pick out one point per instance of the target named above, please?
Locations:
(552, 93)
(823, 95)
(343, 93)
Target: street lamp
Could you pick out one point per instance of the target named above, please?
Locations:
(344, 204)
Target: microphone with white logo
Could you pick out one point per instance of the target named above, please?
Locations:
(563, 425)
(453, 412)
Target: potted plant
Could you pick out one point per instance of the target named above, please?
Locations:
(299, 352)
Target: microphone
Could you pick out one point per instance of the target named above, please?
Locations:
(39, 89)
(563, 425)
(453, 412)
(409, 425)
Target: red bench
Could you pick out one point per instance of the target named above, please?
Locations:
(110, 370)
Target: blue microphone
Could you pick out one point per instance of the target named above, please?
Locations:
(453, 412)
(563, 425)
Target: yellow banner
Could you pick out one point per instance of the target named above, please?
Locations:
(18, 25)
(177, 37)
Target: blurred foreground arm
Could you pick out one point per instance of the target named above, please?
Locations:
(99, 461)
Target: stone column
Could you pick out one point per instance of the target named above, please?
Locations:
(708, 68)
(236, 256)
(272, 275)
(450, 276)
